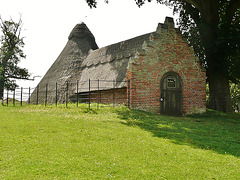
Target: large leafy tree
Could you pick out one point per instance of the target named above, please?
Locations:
(10, 55)
(212, 28)
(216, 40)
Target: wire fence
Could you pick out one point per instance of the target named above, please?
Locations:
(91, 92)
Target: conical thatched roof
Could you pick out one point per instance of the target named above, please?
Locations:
(80, 41)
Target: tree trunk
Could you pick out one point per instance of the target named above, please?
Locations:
(220, 98)
(217, 70)
(217, 76)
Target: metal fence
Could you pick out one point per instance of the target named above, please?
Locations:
(91, 92)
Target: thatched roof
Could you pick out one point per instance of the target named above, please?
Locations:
(81, 60)
(110, 63)
(80, 41)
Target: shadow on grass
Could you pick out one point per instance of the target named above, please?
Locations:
(213, 130)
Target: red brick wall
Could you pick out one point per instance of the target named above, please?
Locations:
(116, 96)
(166, 52)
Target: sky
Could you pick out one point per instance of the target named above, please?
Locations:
(47, 24)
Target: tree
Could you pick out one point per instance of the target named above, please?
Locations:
(212, 28)
(10, 55)
(217, 43)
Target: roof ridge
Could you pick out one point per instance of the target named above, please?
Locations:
(125, 40)
(116, 51)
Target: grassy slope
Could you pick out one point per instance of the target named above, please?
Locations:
(75, 143)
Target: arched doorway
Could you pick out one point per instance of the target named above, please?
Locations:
(171, 94)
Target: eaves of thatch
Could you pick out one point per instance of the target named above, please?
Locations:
(110, 63)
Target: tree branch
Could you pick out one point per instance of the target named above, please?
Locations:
(16, 77)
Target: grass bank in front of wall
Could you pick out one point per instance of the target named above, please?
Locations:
(77, 143)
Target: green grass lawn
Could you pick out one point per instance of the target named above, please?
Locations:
(38, 142)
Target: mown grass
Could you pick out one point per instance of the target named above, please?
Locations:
(38, 142)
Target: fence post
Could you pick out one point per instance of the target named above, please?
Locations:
(2, 97)
(14, 96)
(77, 93)
(7, 97)
(89, 91)
(37, 94)
(56, 94)
(21, 95)
(113, 94)
(67, 95)
(46, 95)
(98, 95)
(128, 93)
(29, 93)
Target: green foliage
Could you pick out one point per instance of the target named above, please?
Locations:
(227, 42)
(38, 142)
(10, 54)
(235, 96)
(189, 28)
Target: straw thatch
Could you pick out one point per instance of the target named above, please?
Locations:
(110, 63)
(81, 60)
(80, 41)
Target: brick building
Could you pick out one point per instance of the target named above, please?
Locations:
(155, 72)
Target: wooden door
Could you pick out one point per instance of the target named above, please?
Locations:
(171, 94)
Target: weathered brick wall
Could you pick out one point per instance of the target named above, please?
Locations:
(166, 52)
(116, 96)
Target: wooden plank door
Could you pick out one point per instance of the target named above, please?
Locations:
(171, 94)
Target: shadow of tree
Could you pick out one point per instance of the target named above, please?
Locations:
(213, 130)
